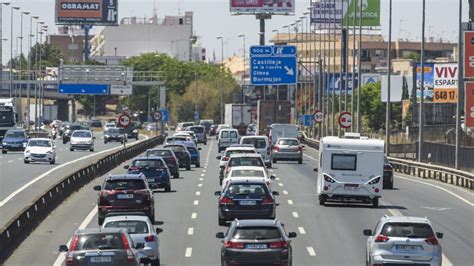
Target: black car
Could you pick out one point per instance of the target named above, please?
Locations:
(125, 193)
(170, 158)
(183, 155)
(68, 131)
(132, 131)
(246, 199)
(114, 134)
(95, 123)
(155, 170)
(256, 242)
(387, 174)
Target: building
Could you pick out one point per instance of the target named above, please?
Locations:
(172, 35)
(70, 41)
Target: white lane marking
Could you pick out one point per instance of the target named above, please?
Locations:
(271, 170)
(199, 185)
(188, 253)
(59, 261)
(438, 187)
(301, 230)
(19, 159)
(290, 202)
(285, 192)
(277, 178)
(311, 251)
(295, 214)
(280, 184)
(312, 158)
(194, 215)
(196, 202)
(202, 174)
(203, 170)
(47, 173)
(198, 193)
(11, 161)
(201, 179)
(190, 231)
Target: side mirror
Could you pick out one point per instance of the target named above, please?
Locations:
(93, 137)
(63, 248)
(275, 193)
(315, 169)
(220, 235)
(303, 146)
(97, 188)
(54, 146)
(367, 232)
(291, 235)
(439, 235)
(158, 230)
(218, 157)
(140, 245)
(217, 193)
(199, 148)
(272, 177)
(126, 166)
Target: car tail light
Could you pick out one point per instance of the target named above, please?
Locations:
(381, 238)
(126, 245)
(279, 244)
(387, 168)
(70, 255)
(432, 240)
(329, 179)
(267, 201)
(133, 168)
(230, 244)
(374, 181)
(225, 159)
(276, 148)
(150, 238)
(300, 149)
(268, 151)
(227, 201)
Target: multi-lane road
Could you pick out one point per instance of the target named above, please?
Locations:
(327, 235)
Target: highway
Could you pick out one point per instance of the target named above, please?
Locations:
(20, 182)
(327, 235)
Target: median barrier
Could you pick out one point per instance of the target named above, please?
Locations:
(17, 229)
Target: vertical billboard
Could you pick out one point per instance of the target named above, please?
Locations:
(469, 116)
(329, 13)
(428, 74)
(87, 12)
(469, 54)
(445, 83)
(262, 6)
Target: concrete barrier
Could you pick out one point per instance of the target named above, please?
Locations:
(26, 221)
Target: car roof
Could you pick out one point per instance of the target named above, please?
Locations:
(257, 222)
(252, 137)
(160, 149)
(40, 139)
(259, 168)
(15, 130)
(405, 219)
(287, 138)
(83, 130)
(240, 155)
(239, 148)
(126, 176)
(127, 217)
(157, 158)
(89, 231)
(175, 144)
(254, 180)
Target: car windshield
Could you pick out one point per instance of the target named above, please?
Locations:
(132, 227)
(81, 134)
(148, 163)
(256, 233)
(256, 190)
(290, 142)
(410, 230)
(159, 153)
(100, 241)
(247, 173)
(15, 134)
(114, 130)
(39, 143)
(246, 161)
(124, 184)
(344, 162)
(258, 143)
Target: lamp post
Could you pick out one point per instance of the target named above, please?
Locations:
(1, 45)
(277, 42)
(245, 70)
(289, 32)
(421, 119)
(11, 48)
(20, 94)
(389, 75)
(222, 79)
(28, 100)
(460, 89)
(303, 56)
(37, 50)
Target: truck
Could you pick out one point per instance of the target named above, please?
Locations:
(50, 112)
(238, 116)
(8, 115)
(282, 131)
(272, 112)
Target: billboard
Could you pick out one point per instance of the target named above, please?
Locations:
(469, 54)
(396, 88)
(469, 118)
(87, 12)
(262, 6)
(428, 80)
(329, 13)
(445, 83)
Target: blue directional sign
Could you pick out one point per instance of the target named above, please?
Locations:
(334, 81)
(273, 65)
(164, 115)
(92, 89)
(196, 115)
(308, 120)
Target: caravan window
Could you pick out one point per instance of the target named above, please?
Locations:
(345, 162)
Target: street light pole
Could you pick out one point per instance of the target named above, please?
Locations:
(422, 84)
(11, 48)
(244, 72)
(222, 79)
(460, 89)
(389, 76)
(1, 42)
(20, 94)
(28, 93)
(359, 70)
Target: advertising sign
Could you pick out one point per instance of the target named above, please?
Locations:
(87, 12)
(327, 14)
(469, 54)
(445, 83)
(262, 6)
(334, 81)
(469, 118)
(428, 80)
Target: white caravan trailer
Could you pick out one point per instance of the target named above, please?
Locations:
(350, 170)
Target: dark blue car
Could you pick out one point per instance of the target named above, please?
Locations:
(14, 140)
(155, 170)
(195, 156)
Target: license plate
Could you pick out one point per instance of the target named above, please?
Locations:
(101, 259)
(256, 246)
(125, 196)
(248, 202)
(351, 187)
(408, 248)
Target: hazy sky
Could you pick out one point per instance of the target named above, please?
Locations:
(212, 19)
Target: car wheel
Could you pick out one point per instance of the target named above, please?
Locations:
(222, 222)
(64, 141)
(4, 151)
(176, 175)
(105, 142)
(198, 165)
(155, 262)
(274, 161)
(220, 181)
(188, 167)
(390, 185)
(322, 200)
(26, 161)
(168, 188)
(136, 138)
(52, 162)
(101, 221)
(300, 161)
(91, 150)
(375, 203)
(71, 149)
(205, 143)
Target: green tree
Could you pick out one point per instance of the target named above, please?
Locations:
(372, 108)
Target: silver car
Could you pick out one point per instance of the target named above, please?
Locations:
(403, 240)
(140, 229)
(287, 149)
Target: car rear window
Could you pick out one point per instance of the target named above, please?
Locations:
(148, 163)
(258, 143)
(100, 241)
(132, 227)
(233, 134)
(411, 230)
(256, 233)
(192, 150)
(159, 153)
(74, 127)
(124, 184)
(15, 134)
(177, 148)
(245, 161)
(198, 129)
(229, 153)
(225, 134)
(291, 142)
(247, 173)
(257, 190)
(344, 162)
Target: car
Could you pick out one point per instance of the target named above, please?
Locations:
(212, 130)
(207, 123)
(170, 158)
(225, 157)
(151, 127)
(183, 125)
(246, 199)
(109, 125)
(227, 137)
(125, 193)
(244, 159)
(194, 152)
(287, 149)
(95, 123)
(82, 140)
(114, 134)
(14, 140)
(140, 229)
(251, 130)
(182, 153)
(132, 131)
(102, 246)
(200, 132)
(155, 170)
(249, 172)
(219, 127)
(403, 240)
(62, 128)
(387, 174)
(40, 150)
(262, 146)
(178, 139)
(256, 242)
(68, 130)
(188, 132)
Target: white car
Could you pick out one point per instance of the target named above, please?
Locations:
(82, 140)
(140, 230)
(227, 153)
(247, 172)
(109, 125)
(262, 146)
(40, 150)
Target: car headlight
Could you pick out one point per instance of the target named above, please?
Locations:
(49, 152)
(24, 144)
(135, 131)
(106, 136)
(4, 143)
(27, 151)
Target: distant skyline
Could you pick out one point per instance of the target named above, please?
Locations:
(212, 18)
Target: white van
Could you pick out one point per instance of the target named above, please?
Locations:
(350, 170)
(262, 146)
(282, 131)
(227, 137)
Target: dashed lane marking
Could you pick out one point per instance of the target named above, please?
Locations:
(280, 184)
(295, 214)
(11, 161)
(301, 230)
(190, 231)
(285, 192)
(290, 202)
(202, 174)
(277, 179)
(201, 179)
(199, 185)
(188, 253)
(196, 202)
(312, 158)
(194, 215)
(311, 251)
(198, 193)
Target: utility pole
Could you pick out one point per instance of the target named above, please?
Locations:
(459, 104)
(11, 48)
(243, 73)
(20, 65)
(422, 85)
(222, 79)
(354, 12)
(389, 76)
(359, 114)
(30, 76)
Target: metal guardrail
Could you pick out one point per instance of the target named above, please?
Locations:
(423, 170)
(21, 225)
